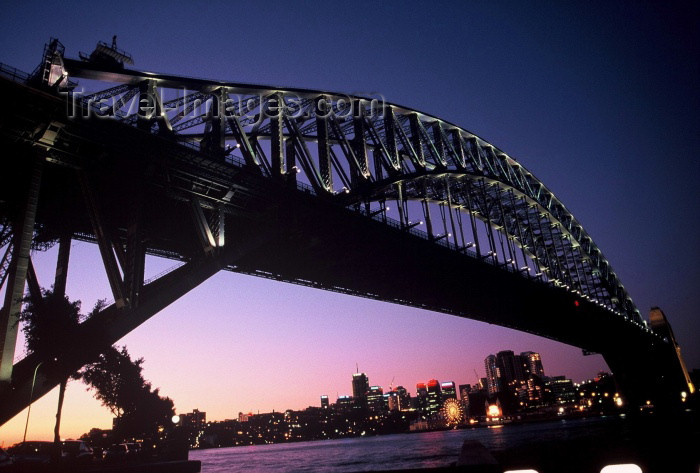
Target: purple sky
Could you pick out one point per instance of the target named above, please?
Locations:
(599, 101)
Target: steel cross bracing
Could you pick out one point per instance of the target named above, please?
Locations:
(360, 151)
(382, 161)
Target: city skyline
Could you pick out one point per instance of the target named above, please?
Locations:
(570, 91)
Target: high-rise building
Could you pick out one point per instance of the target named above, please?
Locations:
(404, 398)
(392, 400)
(375, 399)
(324, 401)
(448, 391)
(464, 390)
(511, 367)
(195, 420)
(434, 400)
(534, 363)
(399, 399)
(422, 398)
(360, 387)
(344, 403)
(562, 389)
(493, 375)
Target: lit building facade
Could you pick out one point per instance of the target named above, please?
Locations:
(404, 398)
(344, 404)
(534, 363)
(562, 389)
(448, 391)
(434, 398)
(422, 398)
(375, 399)
(493, 375)
(511, 368)
(360, 388)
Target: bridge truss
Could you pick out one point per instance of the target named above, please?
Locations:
(224, 153)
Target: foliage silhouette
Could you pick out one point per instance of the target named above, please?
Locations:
(116, 379)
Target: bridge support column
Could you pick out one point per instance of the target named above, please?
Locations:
(103, 242)
(111, 324)
(59, 286)
(22, 236)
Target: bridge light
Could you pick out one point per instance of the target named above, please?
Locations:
(576, 303)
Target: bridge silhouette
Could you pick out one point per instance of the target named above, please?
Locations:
(308, 187)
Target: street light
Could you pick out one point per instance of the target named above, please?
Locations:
(29, 409)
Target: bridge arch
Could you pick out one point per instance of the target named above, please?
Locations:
(222, 151)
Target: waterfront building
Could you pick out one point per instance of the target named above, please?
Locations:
(404, 398)
(531, 392)
(534, 363)
(344, 404)
(324, 402)
(448, 391)
(511, 367)
(434, 399)
(464, 390)
(562, 389)
(360, 387)
(375, 399)
(493, 375)
(195, 420)
(392, 401)
(422, 398)
(483, 385)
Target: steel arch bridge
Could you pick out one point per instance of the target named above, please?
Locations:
(304, 186)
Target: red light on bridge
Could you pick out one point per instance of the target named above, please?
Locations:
(576, 303)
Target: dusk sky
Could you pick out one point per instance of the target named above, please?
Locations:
(599, 101)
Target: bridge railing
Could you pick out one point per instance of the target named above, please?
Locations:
(13, 74)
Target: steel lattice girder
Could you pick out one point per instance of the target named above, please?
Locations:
(408, 147)
(208, 148)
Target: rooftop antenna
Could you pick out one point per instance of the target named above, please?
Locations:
(357, 368)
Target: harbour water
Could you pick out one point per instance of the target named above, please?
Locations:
(389, 452)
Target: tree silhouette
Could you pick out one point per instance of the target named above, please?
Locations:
(116, 378)
(49, 321)
(46, 323)
(120, 386)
